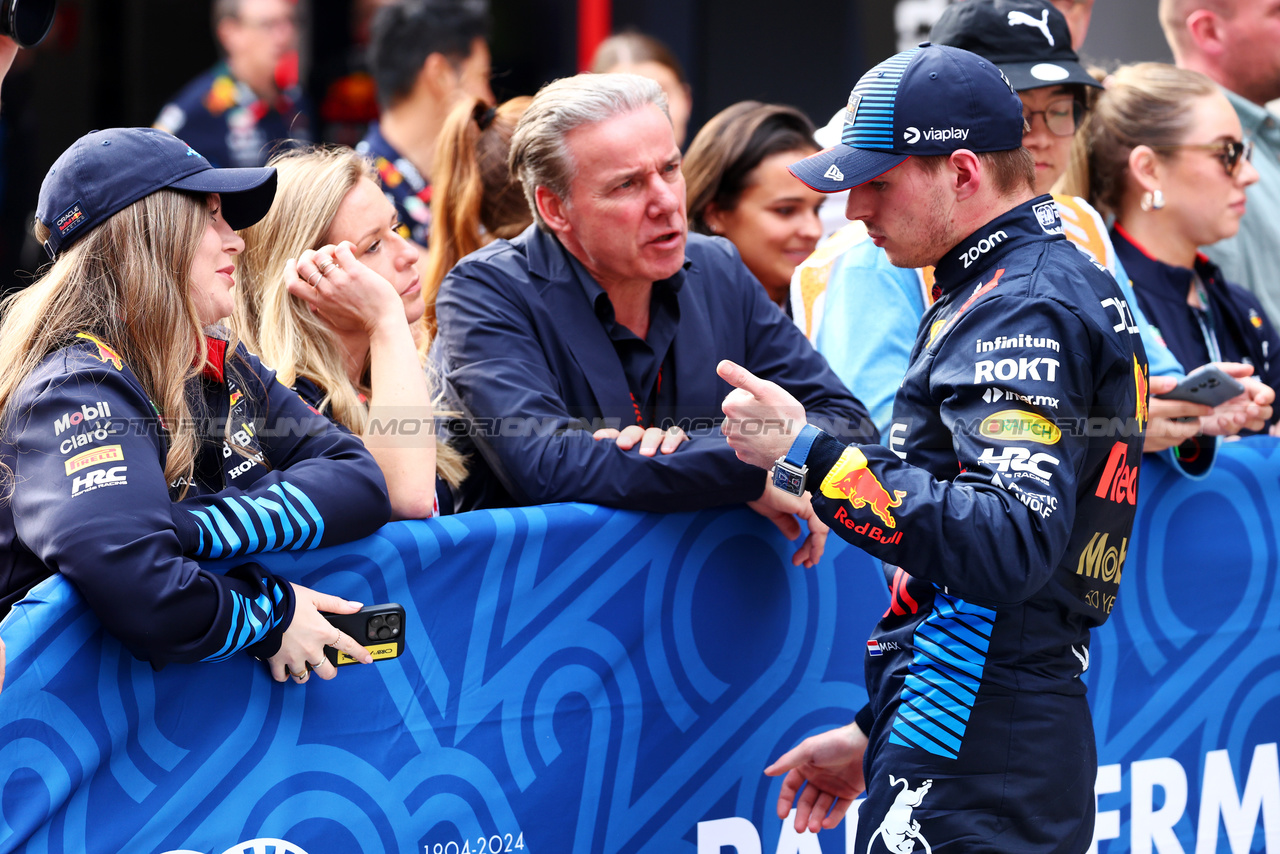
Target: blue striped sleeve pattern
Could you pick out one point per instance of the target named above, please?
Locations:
(943, 679)
(252, 619)
(283, 520)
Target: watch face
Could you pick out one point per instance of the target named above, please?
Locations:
(788, 481)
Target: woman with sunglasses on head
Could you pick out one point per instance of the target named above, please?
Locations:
(1166, 159)
(137, 436)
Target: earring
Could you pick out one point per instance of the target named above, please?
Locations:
(1152, 201)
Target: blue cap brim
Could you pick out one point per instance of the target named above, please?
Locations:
(246, 193)
(843, 166)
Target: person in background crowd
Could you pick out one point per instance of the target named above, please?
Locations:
(1078, 14)
(8, 52)
(985, 513)
(331, 300)
(426, 55)
(239, 112)
(124, 407)
(848, 276)
(476, 198)
(1167, 159)
(1234, 43)
(739, 188)
(636, 53)
(340, 59)
(601, 326)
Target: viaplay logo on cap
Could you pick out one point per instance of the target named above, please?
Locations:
(913, 135)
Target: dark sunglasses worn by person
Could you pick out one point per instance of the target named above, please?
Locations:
(1230, 152)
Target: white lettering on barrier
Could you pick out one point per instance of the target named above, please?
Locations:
(1221, 805)
(1106, 823)
(790, 842)
(737, 832)
(1219, 797)
(1151, 830)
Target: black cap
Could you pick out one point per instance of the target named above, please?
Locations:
(1028, 39)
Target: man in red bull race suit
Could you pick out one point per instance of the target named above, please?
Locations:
(1003, 498)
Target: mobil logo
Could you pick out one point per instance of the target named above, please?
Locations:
(1119, 481)
(1099, 560)
(67, 420)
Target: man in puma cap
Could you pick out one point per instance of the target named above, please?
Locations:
(1001, 509)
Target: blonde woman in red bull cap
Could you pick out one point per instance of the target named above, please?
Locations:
(1003, 499)
(136, 437)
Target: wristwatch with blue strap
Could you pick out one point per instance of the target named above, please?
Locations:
(789, 472)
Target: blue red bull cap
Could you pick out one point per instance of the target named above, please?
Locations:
(929, 100)
(105, 171)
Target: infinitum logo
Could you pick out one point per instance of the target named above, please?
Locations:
(914, 135)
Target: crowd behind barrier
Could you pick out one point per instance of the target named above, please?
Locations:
(588, 680)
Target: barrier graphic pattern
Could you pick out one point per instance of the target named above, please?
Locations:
(586, 680)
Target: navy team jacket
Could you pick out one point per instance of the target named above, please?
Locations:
(89, 500)
(1003, 500)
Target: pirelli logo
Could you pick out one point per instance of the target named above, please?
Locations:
(93, 457)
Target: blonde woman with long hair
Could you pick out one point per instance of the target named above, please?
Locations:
(137, 436)
(331, 299)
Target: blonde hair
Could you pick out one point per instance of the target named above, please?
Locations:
(1148, 103)
(474, 197)
(127, 283)
(279, 327)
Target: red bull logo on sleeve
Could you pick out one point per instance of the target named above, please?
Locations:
(1140, 385)
(235, 398)
(105, 354)
(851, 480)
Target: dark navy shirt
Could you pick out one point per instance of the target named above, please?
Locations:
(403, 185)
(226, 121)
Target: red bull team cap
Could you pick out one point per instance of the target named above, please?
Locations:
(929, 100)
(105, 171)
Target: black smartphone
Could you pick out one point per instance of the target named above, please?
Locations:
(378, 628)
(1207, 384)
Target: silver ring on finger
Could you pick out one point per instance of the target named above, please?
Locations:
(326, 267)
(311, 280)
